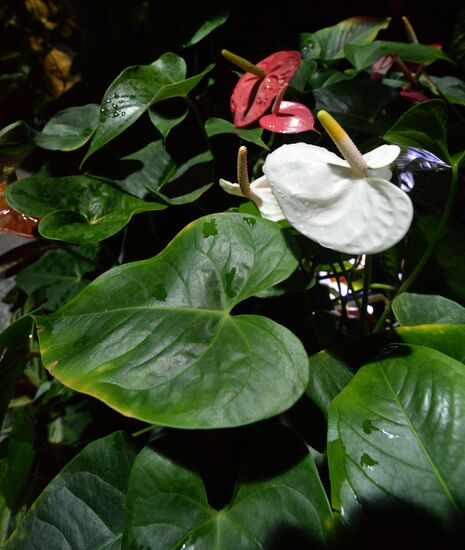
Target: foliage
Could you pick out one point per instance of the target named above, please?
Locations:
(179, 371)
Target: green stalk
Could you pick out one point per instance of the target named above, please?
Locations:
(438, 235)
(366, 294)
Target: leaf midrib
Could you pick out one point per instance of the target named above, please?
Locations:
(422, 446)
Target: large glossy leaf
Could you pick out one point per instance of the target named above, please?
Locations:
(356, 104)
(397, 432)
(328, 44)
(448, 339)
(76, 209)
(278, 495)
(155, 339)
(218, 126)
(423, 126)
(83, 507)
(138, 88)
(427, 309)
(69, 129)
(363, 56)
(57, 276)
(14, 352)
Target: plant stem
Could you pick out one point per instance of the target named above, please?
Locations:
(199, 120)
(366, 294)
(438, 235)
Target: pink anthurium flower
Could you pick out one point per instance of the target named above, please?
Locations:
(258, 87)
(288, 117)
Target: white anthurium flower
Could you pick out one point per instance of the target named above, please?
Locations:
(258, 191)
(347, 205)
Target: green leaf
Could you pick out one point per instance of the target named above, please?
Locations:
(15, 468)
(212, 22)
(363, 56)
(452, 88)
(16, 138)
(69, 129)
(138, 88)
(155, 339)
(57, 276)
(448, 339)
(216, 126)
(167, 115)
(328, 44)
(14, 353)
(397, 432)
(427, 309)
(278, 493)
(356, 104)
(83, 507)
(177, 188)
(76, 209)
(329, 375)
(425, 126)
(141, 173)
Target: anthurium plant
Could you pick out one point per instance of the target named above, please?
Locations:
(237, 319)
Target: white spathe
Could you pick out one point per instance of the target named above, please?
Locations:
(269, 207)
(331, 203)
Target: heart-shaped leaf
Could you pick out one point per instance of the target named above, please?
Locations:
(423, 126)
(397, 432)
(76, 209)
(426, 309)
(84, 506)
(69, 129)
(328, 44)
(14, 222)
(138, 88)
(155, 339)
(279, 493)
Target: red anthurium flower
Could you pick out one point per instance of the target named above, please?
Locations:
(291, 118)
(288, 117)
(414, 95)
(13, 221)
(382, 66)
(255, 91)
